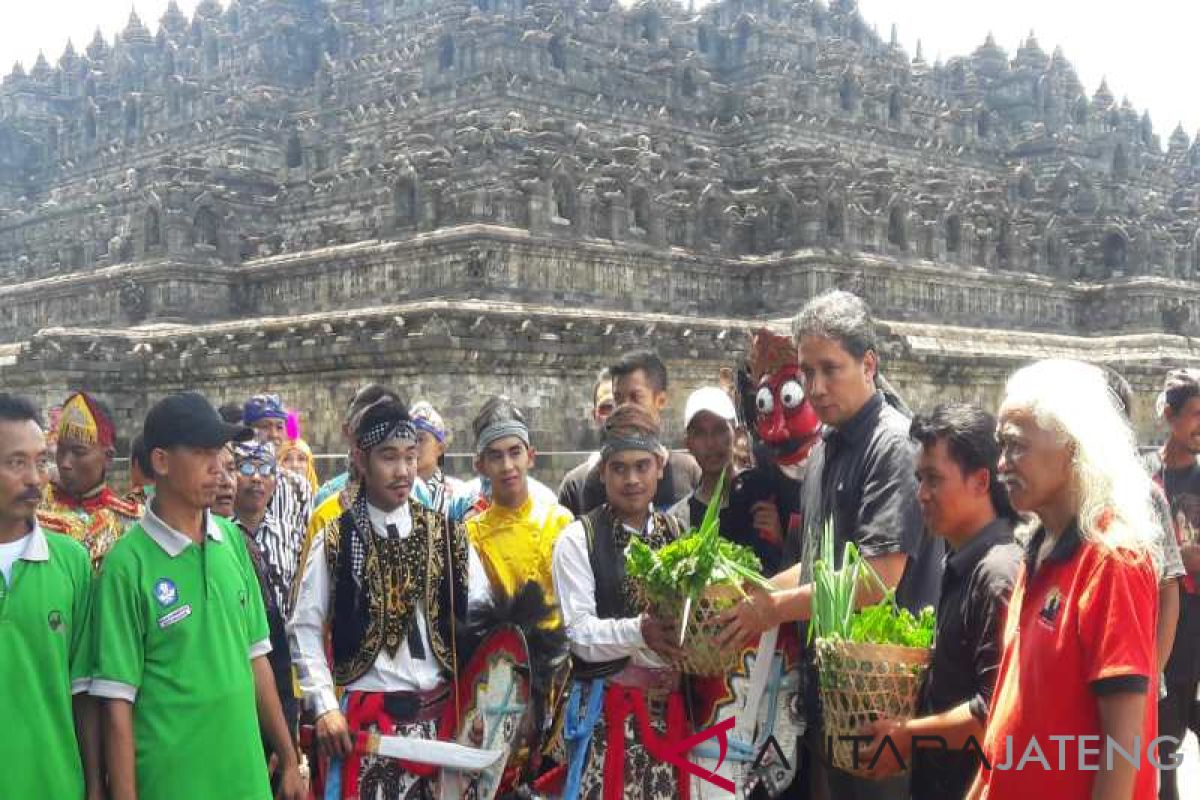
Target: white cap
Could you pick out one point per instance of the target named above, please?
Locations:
(711, 399)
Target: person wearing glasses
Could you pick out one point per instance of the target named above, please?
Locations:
(270, 548)
(292, 501)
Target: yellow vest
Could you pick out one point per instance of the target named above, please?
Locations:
(517, 544)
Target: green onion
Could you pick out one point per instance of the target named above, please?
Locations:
(834, 603)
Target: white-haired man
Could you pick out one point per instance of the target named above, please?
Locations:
(1078, 678)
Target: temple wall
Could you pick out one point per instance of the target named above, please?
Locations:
(545, 358)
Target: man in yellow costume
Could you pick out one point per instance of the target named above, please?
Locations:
(79, 502)
(515, 535)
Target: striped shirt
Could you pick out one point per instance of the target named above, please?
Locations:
(281, 536)
(277, 558)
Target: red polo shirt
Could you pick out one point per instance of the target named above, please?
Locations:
(1082, 625)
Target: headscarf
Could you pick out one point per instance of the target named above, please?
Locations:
(386, 431)
(426, 418)
(640, 441)
(263, 406)
(254, 450)
(299, 444)
(498, 430)
(82, 420)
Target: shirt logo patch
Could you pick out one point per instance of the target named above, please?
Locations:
(1049, 612)
(55, 621)
(178, 615)
(165, 592)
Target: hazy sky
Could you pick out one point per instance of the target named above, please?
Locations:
(1145, 48)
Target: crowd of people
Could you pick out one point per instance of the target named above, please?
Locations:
(229, 628)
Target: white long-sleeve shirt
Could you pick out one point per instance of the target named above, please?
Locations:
(593, 639)
(306, 629)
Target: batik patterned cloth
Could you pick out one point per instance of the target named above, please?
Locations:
(630, 765)
(371, 777)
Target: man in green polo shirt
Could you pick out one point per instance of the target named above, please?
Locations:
(48, 737)
(181, 634)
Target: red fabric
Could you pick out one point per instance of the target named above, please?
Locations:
(619, 703)
(1090, 617)
(552, 781)
(105, 498)
(365, 712)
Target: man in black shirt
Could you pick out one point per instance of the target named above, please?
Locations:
(1176, 470)
(860, 478)
(963, 503)
(640, 378)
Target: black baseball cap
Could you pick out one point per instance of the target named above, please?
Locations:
(187, 419)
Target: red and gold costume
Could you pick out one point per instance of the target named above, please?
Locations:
(96, 521)
(100, 517)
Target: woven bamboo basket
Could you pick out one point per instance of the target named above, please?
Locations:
(861, 683)
(702, 655)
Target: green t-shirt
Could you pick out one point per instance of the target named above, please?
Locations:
(176, 628)
(45, 657)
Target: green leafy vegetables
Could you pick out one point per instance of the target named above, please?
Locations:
(693, 562)
(833, 605)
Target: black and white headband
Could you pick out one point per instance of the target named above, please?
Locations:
(385, 432)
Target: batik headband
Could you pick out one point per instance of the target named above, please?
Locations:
(639, 441)
(83, 421)
(498, 430)
(401, 429)
(253, 450)
(263, 406)
(426, 418)
(427, 427)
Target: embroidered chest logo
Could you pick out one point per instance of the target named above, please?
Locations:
(165, 592)
(1050, 609)
(55, 621)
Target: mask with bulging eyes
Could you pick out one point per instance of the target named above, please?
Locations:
(785, 422)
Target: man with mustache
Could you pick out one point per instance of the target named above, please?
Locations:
(292, 502)
(182, 636)
(1079, 663)
(49, 736)
(79, 503)
(338, 493)
(257, 474)
(389, 581)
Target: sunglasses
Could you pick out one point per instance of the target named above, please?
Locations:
(249, 468)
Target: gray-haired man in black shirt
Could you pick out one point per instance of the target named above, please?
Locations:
(963, 503)
(859, 477)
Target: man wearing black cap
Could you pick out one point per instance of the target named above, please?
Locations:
(182, 634)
